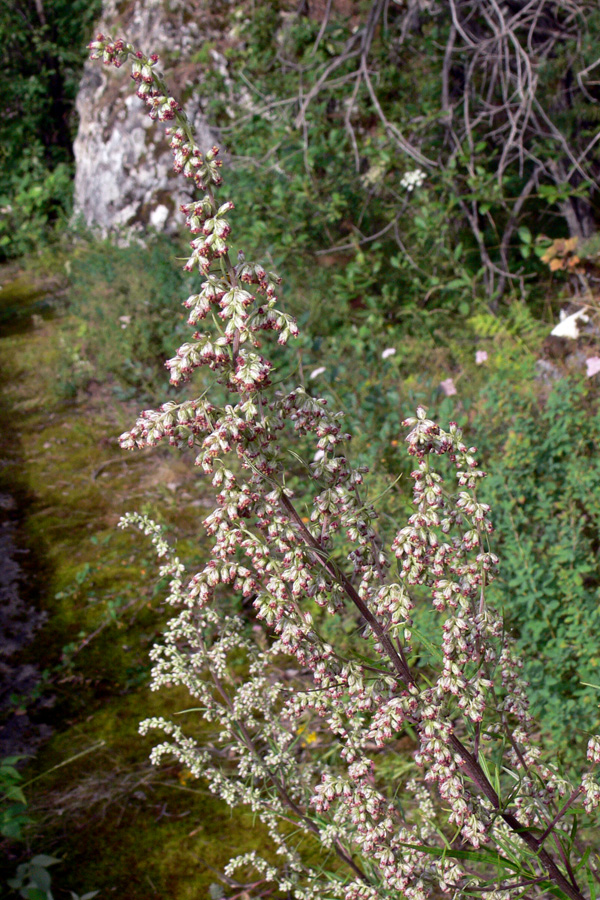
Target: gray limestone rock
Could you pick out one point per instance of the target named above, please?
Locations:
(123, 178)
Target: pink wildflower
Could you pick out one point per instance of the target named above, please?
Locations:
(448, 387)
(593, 365)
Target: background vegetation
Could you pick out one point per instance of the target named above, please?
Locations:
(43, 48)
(369, 266)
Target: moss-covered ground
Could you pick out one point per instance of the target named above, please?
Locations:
(118, 825)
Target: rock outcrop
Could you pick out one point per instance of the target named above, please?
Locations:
(123, 174)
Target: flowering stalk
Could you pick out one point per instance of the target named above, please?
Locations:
(482, 813)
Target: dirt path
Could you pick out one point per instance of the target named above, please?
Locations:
(20, 734)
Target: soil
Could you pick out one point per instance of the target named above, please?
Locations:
(21, 731)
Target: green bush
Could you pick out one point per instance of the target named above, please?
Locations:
(545, 490)
(310, 210)
(42, 47)
(34, 202)
(424, 243)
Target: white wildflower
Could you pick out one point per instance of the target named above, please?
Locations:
(412, 180)
(568, 327)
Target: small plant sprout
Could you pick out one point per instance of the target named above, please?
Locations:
(475, 810)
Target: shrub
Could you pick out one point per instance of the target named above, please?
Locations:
(417, 148)
(302, 732)
(42, 61)
(35, 202)
(545, 491)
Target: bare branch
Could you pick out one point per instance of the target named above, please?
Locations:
(324, 24)
(361, 240)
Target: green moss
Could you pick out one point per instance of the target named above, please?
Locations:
(125, 826)
(22, 301)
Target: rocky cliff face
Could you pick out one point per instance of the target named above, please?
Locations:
(123, 163)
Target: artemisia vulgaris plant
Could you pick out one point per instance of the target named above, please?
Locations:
(304, 728)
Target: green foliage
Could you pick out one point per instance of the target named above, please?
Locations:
(33, 880)
(42, 45)
(544, 484)
(34, 203)
(125, 300)
(13, 804)
(308, 196)
(329, 190)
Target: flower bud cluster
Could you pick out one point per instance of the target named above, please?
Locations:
(178, 422)
(112, 53)
(298, 561)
